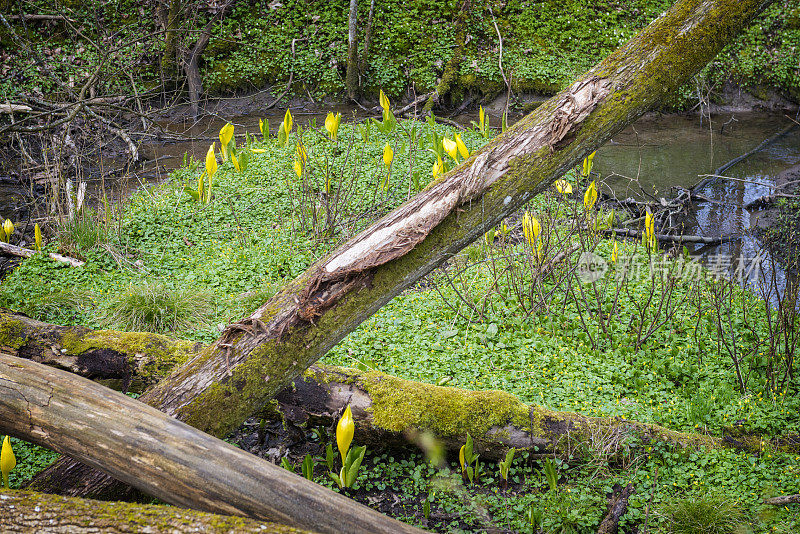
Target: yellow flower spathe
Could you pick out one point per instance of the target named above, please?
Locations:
(384, 101)
(615, 253)
(211, 162)
(388, 155)
(438, 167)
(8, 230)
(587, 165)
(7, 460)
(300, 152)
(481, 119)
(287, 122)
(563, 187)
(225, 136)
(462, 148)
(344, 432)
(451, 148)
(236, 163)
(332, 124)
(531, 228)
(298, 168)
(37, 236)
(590, 197)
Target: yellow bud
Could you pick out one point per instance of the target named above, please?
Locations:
(344, 432)
(590, 197)
(438, 167)
(388, 155)
(462, 148)
(587, 164)
(481, 119)
(332, 124)
(298, 168)
(37, 235)
(236, 163)
(614, 253)
(8, 228)
(301, 153)
(7, 460)
(211, 162)
(461, 458)
(287, 122)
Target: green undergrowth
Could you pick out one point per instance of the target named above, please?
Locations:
(545, 45)
(576, 350)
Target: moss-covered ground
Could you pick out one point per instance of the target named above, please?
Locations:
(648, 348)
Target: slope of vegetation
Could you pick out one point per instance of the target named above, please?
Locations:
(663, 342)
(412, 45)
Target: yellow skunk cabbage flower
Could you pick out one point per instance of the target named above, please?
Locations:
(615, 252)
(258, 150)
(37, 236)
(531, 228)
(300, 152)
(211, 162)
(563, 187)
(481, 119)
(8, 230)
(384, 101)
(344, 432)
(7, 460)
(438, 167)
(225, 136)
(287, 122)
(298, 168)
(650, 231)
(451, 148)
(461, 458)
(236, 163)
(587, 164)
(462, 148)
(261, 128)
(388, 155)
(332, 124)
(590, 197)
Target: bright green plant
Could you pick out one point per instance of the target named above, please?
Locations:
(506, 464)
(551, 474)
(708, 513)
(534, 516)
(469, 460)
(308, 467)
(157, 307)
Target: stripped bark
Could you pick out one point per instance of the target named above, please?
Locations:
(260, 354)
(166, 458)
(26, 512)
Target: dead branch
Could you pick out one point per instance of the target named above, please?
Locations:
(27, 253)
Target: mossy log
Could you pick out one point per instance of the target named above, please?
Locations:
(27, 512)
(168, 459)
(259, 355)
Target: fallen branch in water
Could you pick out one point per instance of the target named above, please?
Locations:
(628, 232)
(27, 253)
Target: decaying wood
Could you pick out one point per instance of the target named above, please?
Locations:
(617, 506)
(14, 108)
(26, 512)
(257, 357)
(27, 253)
(783, 500)
(164, 457)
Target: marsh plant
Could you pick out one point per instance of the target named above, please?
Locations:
(708, 513)
(158, 307)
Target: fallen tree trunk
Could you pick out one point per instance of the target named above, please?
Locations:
(26, 512)
(667, 238)
(27, 253)
(260, 354)
(164, 457)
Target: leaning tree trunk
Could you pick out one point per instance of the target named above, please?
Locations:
(164, 457)
(260, 354)
(26, 512)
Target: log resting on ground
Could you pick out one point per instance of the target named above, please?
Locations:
(259, 355)
(27, 512)
(168, 459)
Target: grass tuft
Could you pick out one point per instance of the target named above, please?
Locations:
(708, 513)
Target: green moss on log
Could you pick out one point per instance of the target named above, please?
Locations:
(12, 332)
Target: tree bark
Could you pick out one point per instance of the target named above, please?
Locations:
(26, 512)
(260, 354)
(351, 76)
(166, 458)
